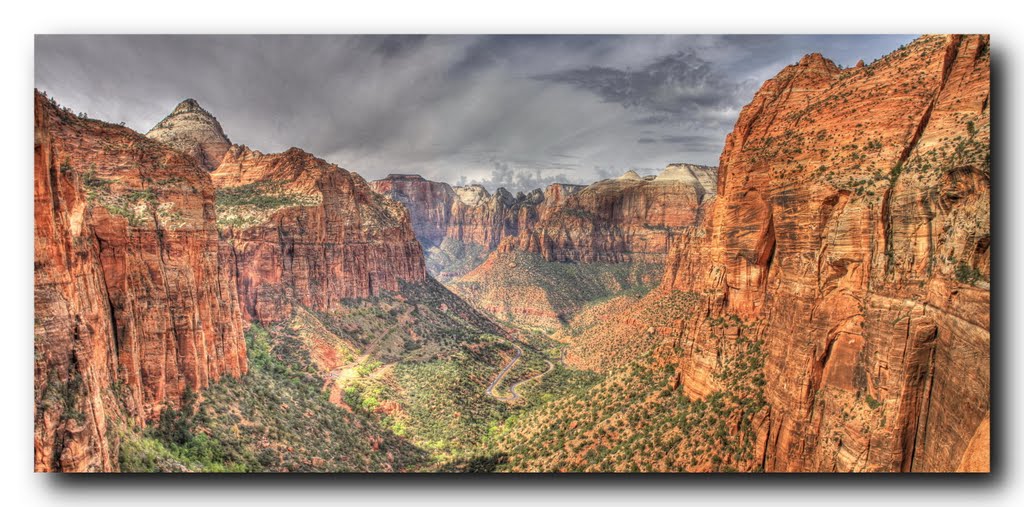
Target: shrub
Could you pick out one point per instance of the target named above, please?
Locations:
(966, 273)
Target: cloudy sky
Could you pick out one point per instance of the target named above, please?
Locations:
(514, 111)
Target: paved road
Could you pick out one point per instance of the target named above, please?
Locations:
(501, 375)
(512, 395)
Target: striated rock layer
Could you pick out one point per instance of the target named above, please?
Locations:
(613, 220)
(851, 234)
(429, 204)
(193, 131)
(134, 298)
(617, 220)
(303, 231)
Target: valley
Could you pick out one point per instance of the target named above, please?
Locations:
(817, 302)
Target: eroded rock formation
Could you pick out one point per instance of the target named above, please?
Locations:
(135, 299)
(616, 220)
(304, 231)
(851, 235)
(429, 204)
(613, 220)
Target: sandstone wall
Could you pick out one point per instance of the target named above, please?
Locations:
(133, 305)
(615, 220)
(322, 236)
(429, 204)
(851, 234)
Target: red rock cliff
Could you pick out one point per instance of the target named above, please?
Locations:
(851, 234)
(483, 219)
(133, 300)
(429, 204)
(309, 232)
(617, 220)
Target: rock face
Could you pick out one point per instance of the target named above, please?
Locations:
(480, 218)
(851, 235)
(618, 220)
(193, 131)
(429, 204)
(134, 297)
(303, 231)
(704, 179)
(613, 220)
(469, 214)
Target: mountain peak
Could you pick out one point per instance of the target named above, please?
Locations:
(189, 105)
(194, 131)
(817, 62)
(630, 175)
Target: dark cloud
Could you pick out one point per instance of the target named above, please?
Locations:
(687, 143)
(448, 107)
(681, 87)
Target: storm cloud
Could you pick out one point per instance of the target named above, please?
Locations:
(681, 88)
(514, 111)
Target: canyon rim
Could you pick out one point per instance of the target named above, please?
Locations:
(512, 254)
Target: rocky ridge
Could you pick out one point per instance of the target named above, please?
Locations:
(613, 220)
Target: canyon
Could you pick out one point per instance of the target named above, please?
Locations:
(536, 257)
(839, 281)
(819, 301)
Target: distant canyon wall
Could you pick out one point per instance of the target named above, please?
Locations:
(613, 220)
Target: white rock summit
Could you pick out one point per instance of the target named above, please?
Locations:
(703, 178)
(194, 131)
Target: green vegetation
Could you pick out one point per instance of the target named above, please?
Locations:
(400, 408)
(65, 395)
(261, 194)
(872, 402)
(634, 420)
(253, 203)
(553, 290)
(275, 418)
(135, 205)
(966, 273)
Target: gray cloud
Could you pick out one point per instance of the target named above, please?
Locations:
(677, 88)
(448, 107)
(692, 143)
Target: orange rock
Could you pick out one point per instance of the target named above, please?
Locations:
(851, 234)
(134, 298)
(429, 204)
(323, 236)
(615, 220)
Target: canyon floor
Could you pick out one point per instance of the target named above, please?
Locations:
(414, 380)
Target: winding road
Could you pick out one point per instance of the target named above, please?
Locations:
(513, 396)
